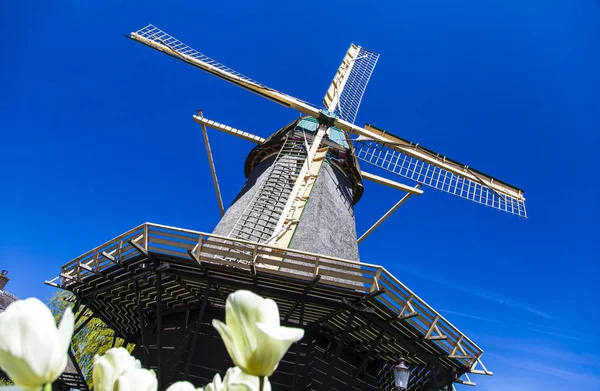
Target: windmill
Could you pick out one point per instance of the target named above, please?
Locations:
(330, 134)
(290, 234)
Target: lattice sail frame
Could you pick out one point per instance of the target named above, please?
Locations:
(155, 34)
(380, 155)
(493, 192)
(345, 94)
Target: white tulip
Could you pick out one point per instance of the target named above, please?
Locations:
(138, 379)
(33, 351)
(181, 386)
(107, 368)
(216, 385)
(236, 380)
(252, 334)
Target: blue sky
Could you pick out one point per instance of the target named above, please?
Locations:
(97, 137)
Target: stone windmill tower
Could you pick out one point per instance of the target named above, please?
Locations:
(290, 234)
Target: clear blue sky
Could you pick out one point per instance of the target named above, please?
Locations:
(97, 137)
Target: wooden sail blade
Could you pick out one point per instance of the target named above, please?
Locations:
(409, 160)
(350, 82)
(157, 39)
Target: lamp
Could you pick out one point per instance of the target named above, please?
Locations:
(401, 375)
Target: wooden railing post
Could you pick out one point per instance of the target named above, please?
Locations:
(146, 236)
(375, 281)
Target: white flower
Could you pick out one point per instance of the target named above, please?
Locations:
(253, 336)
(137, 379)
(33, 351)
(181, 386)
(114, 363)
(236, 380)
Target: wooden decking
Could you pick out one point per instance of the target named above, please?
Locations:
(331, 291)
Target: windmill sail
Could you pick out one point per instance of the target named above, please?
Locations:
(350, 82)
(373, 145)
(157, 39)
(448, 175)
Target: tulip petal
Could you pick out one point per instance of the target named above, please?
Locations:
(103, 374)
(274, 341)
(230, 343)
(28, 351)
(121, 360)
(282, 333)
(16, 388)
(181, 386)
(269, 313)
(242, 311)
(137, 380)
(65, 330)
(237, 380)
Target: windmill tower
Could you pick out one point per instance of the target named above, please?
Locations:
(290, 234)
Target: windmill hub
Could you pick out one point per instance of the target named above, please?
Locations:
(327, 118)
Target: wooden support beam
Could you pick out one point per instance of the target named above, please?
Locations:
(142, 318)
(434, 379)
(228, 129)
(197, 326)
(340, 344)
(77, 305)
(81, 326)
(357, 307)
(310, 286)
(387, 182)
(325, 318)
(196, 258)
(211, 163)
(76, 365)
(369, 353)
(109, 257)
(140, 249)
(159, 329)
(297, 351)
(433, 328)
(371, 295)
(79, 315)
(408, 316)
(387, 214)
(408, 306)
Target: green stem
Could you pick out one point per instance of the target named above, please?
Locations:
(261, 383)
(48, 387)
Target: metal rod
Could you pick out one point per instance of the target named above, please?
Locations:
(188, 361)
(211, 163)
(159, 328)
(388, 214)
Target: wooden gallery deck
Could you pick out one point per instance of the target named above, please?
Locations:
(159, 287)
